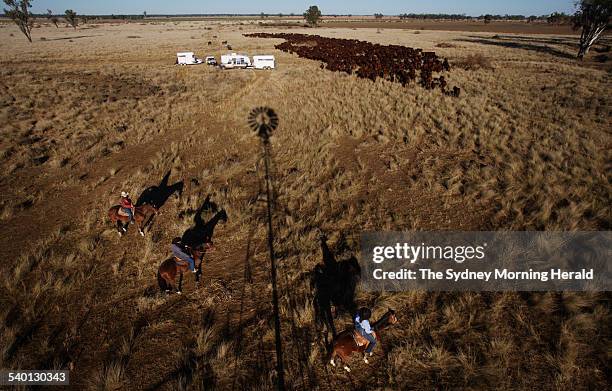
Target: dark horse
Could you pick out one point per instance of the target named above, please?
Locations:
(199, 239)
(142, 216)
(344, 344)
(334, 284)
(170, 268)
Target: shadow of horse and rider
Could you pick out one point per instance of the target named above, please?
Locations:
(334, 284)
(147, 206)
(197, 240)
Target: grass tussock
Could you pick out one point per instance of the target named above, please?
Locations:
(474, 62)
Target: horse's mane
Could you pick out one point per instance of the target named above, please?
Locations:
(383, 321)
(147, 207)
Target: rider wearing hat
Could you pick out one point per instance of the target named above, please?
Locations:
(127, 206)
(179, 250)
(362, 325)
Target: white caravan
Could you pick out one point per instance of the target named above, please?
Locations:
(235, 61)
(263, 62)
(187, 58)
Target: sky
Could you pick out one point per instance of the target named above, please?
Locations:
(356, 7)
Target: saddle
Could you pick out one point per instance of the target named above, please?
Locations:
(360, 340)
(180, 262)
(121, 212)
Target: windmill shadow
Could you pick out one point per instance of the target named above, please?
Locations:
(334, 284)
(158, 195)
(202, 232)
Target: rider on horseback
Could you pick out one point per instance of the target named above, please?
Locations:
(127, 206)
(362, 326)
(180, 251)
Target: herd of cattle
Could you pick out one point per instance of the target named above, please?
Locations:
(368, 60)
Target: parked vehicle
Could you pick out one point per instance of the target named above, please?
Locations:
(234, 60)
(211, 60)
(263, 62)
(187, 58)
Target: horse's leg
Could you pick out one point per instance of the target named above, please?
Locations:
(332, 356)
(149, 221)
(198, 274)
(344, 358)
(168, 279)
(140, 227)
(143, 224)
(180, 284)
(119, 227)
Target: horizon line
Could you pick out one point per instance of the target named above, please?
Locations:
(283, 14)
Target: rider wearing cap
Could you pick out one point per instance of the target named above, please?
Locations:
(127, 206)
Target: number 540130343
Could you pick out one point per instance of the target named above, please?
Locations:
(33, 377)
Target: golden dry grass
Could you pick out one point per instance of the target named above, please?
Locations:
(89, 113)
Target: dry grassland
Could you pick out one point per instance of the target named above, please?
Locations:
(85, 114)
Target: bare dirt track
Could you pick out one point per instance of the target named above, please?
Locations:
(85, 114)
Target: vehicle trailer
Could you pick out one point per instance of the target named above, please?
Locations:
(264, 62)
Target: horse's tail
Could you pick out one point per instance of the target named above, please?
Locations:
(112, 214)
(163, 285)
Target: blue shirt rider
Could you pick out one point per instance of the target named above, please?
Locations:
(362, 325)
(179, 251)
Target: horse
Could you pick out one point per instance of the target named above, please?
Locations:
(344, 344)
(143, 215)
(170, 268)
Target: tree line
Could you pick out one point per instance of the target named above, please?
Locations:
(592, 17)
(555, 17)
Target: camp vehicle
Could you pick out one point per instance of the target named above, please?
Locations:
(234, 60)
(263, 62)
(187, 58)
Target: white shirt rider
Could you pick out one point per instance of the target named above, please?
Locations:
(363, 324)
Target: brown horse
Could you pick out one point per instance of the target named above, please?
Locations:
(344, 344)
(170, 268)
(142, 216)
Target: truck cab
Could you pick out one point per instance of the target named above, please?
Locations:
(210, 60)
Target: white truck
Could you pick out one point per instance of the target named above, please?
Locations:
(210, 60)
(187, 58)
(263, 62)
(234, 60)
